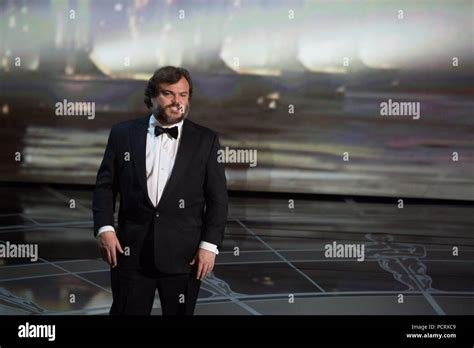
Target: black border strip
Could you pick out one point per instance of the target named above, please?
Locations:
(224, 330)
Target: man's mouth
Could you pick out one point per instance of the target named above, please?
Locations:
(175, 109)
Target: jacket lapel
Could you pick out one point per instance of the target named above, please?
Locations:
(138, 135)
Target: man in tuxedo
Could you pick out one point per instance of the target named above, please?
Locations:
(173, 202)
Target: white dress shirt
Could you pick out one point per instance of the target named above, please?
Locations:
(160, 157)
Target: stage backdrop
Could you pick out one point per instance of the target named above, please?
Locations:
(339, 97)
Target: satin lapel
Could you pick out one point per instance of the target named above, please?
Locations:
(189, 143)
(138, 134)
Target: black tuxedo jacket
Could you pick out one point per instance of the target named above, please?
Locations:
(192, 208)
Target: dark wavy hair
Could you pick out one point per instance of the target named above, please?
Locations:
(167, 74)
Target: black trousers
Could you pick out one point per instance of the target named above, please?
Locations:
(133, 290)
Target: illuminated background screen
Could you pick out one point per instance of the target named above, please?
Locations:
(303, 86)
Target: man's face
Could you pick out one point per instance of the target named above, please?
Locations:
(171, 105)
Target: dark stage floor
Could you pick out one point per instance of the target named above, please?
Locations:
(280, 266)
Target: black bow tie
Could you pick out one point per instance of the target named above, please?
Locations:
(173, 131)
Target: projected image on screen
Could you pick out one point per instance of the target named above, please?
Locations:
(337, 98)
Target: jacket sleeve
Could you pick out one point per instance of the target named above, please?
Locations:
(105, 191)
(215, 192)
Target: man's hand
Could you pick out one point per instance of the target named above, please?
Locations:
(205, 260)
(108, 244)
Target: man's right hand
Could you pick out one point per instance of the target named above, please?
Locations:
(108, 244)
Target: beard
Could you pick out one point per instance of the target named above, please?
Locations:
(160, 114)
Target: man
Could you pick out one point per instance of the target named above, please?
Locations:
(173, 202)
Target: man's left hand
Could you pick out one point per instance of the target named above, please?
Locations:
(205, 262)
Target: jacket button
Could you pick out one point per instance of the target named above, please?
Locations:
(157, 215)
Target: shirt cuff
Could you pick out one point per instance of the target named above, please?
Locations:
(209, 247)
(105, 228)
